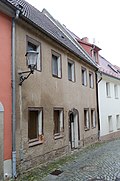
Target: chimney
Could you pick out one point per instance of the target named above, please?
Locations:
(85, 39)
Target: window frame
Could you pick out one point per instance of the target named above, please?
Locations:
(93, 121)
(72, 70)
(86, 121)
(61, 129)
(91, 80)
(40, 137)
(59, 64)
(84, 76)
(118, 121)
(108, 90)
(110, 123)
(116, 91)
(38, 46)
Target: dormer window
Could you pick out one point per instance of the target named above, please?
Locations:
(95, 55)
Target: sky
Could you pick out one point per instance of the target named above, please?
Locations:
(99, 20)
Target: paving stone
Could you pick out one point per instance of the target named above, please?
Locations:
(101, 163)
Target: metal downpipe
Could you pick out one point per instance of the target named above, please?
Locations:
(14, 173)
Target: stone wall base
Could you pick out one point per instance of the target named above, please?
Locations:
(110, 136)
(54, 154)
(89, 140)
(36, 161)
(7, 168)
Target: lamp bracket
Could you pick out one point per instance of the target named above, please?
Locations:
(23, 77)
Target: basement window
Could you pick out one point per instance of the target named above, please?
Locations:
(35, 126)
(58, 122)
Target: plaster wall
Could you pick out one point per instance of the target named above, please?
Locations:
(5, 82)
(44, 90)
(109, 106)
(1, 140)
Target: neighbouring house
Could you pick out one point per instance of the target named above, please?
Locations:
(108, 91)
(56, 107)
(109, 99)
(5, 92)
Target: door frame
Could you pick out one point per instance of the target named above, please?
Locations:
(73, 119)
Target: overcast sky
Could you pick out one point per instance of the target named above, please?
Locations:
(95, 19)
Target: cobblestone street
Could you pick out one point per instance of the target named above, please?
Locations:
(97, 162)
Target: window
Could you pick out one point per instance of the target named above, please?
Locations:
(58, 122)
(108, 89)
(86, 119)
(84, 77)
(95, 56)
(91, 79)
(93, 118)
(35, 46)
(118, 121)
(35, 125)
(71, 71)
(116, 91)
(110, 124)
(56, 64)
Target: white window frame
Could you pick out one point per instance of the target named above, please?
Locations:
(61, 122)
(40, 135)
(38, 49)
(108, 92)
(84, 76)
(116, 91)
(59, 66)
(118, 121)
(110, 123)
(93, 118)
(86, 119)
(71, 71)
(95, 56)
(91, 80)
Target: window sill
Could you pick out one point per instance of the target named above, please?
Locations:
(110, 131)
(108, 96)
(56, 76)
(87, 129)
(35, 143)
(116, 97)
(71, 80)
(84, 85)
(56, 137)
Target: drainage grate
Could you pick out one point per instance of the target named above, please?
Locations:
(56, 172)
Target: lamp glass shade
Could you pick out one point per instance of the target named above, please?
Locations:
(31, 57)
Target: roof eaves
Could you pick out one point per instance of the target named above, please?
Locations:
(52, 37)
(110, 75)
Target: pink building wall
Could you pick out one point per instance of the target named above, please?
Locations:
(5, 81)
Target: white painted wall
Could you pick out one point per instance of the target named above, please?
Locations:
(108, 105)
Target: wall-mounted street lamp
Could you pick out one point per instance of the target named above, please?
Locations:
(31, 61)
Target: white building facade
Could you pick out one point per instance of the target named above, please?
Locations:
(109, 101)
